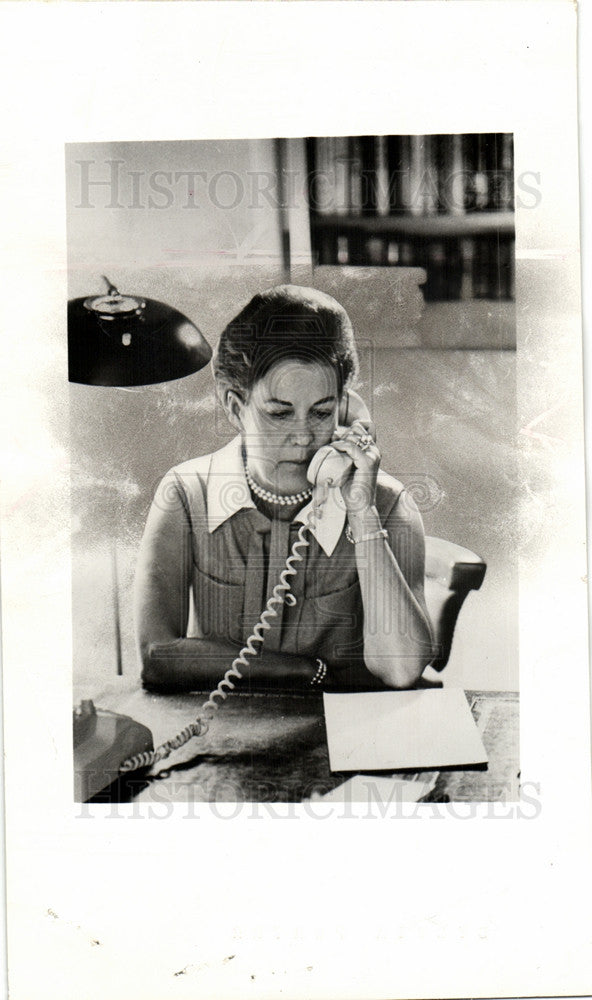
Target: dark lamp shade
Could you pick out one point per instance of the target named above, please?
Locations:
(124, 340)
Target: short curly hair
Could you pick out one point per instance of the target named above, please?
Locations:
(287, 322)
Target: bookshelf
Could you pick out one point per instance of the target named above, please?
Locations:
(440, 202)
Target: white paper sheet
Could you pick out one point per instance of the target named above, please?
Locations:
(371, 788)
(387, 730)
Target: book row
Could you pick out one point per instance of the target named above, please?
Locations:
(417, 175)
(464, 267)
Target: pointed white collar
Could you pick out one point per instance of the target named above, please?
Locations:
(228, 492)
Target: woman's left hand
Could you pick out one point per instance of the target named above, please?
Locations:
(359, 491)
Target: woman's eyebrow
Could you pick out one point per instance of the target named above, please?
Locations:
(284, 402)
(278, 402)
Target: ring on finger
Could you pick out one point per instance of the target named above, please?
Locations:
(364, 442)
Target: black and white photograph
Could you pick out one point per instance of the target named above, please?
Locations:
(293, 554)
(292, 377)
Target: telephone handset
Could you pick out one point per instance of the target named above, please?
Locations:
(328, 468)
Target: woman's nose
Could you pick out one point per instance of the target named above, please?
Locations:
(302, 435)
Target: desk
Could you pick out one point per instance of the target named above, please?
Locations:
(272, 748)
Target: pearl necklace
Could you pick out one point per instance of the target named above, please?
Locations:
(282, 501)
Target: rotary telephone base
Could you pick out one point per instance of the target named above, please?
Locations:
(102, 740)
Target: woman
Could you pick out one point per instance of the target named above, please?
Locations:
(222, 526)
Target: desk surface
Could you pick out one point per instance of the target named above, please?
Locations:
(273, 748)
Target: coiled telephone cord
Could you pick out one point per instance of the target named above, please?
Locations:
(281, 594)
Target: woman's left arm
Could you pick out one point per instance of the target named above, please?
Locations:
(398, 642)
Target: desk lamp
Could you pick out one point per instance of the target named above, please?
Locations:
(125, 340)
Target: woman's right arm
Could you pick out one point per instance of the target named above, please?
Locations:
(170, 660)
(199, 664)
(163, 572)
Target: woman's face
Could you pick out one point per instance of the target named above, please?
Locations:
(291, 412)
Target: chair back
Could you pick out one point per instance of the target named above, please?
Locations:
(451, 571)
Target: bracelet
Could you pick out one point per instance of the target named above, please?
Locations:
(319, 677)
(369, 537)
